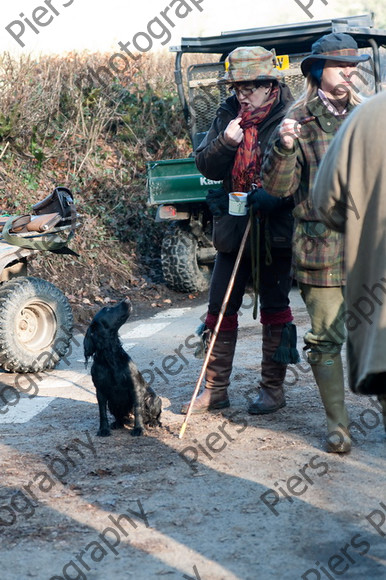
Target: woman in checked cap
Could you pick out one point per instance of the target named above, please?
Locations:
(232, 151)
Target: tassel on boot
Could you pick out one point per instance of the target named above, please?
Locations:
(287, 353)
(204, 333)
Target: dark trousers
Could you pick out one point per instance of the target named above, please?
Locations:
(275, 282)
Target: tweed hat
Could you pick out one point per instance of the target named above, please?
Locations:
(335, 46)
(250, 63)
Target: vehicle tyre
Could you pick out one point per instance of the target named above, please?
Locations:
(180, 262)
(36, 325)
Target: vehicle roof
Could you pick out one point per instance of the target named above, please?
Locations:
(287, 38)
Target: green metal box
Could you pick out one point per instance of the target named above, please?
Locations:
(176, 181)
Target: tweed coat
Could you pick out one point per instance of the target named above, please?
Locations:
(318, 257)
(350, 196)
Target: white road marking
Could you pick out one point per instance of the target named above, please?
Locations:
(172, 313)
(24, 410)
(71, 379)
(57, 385)
(145, 330)
(27, 408)
(129, 345)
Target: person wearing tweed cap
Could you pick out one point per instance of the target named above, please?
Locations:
(232, 152)
(289, 168)
(251, 63)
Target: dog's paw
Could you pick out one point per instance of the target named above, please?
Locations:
(104, 432)
(137, 432)
(116, 425)
(154, 423)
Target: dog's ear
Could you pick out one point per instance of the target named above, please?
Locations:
(89, 345)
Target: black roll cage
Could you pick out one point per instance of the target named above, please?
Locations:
(284, 39)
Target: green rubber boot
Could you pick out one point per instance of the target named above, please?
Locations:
(328, 373)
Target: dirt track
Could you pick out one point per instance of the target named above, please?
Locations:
(239, 497)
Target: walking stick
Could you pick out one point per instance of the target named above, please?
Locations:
(218, 324)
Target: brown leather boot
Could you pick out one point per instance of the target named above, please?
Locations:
(270, 396)
(215, 393)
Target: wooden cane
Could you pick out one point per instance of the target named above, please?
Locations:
(306, 120)
(216, 329)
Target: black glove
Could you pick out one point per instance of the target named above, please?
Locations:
(217, 200)
(260, 200)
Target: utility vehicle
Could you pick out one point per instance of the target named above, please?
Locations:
(36, 321)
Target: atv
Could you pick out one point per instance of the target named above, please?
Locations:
(175, 186)
(36, 321)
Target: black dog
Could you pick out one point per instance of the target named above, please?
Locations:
(118, 382)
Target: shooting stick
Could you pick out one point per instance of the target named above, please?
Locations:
(218, 324)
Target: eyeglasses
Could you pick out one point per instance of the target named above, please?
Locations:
(245, 91)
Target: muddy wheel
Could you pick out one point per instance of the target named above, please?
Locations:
(183, 265)
(35, 325)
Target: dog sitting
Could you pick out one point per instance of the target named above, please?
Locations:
(118, 383)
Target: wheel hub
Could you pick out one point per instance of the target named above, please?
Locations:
(35, 326)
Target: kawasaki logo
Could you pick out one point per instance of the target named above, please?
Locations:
(205, 181)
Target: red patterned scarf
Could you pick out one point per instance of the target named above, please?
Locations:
(247, 164)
